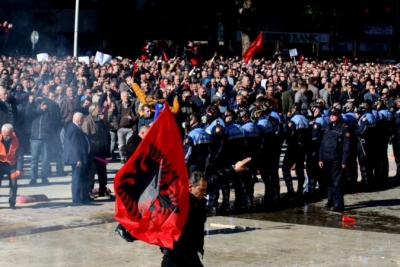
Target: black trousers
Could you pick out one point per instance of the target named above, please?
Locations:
(294, 155)
(6, 169)
(96, 167)
(314, 173)
(79, 184)
(184, 259)
(333, 175)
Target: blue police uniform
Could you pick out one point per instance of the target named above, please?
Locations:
(366, 132)
(384, 125)
(314, 172)
(350, 118)
(265, 158)
(233, 152)
(272, 147)
(252, 139)
(334, 152)
(297, 141)
(196, 148)
(351, 172)
(216, 160)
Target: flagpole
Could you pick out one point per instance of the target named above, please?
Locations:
(76, 28)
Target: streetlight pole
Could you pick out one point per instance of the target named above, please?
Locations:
(76, 28)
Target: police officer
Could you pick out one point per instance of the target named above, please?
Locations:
(265, 157)
(196, 144)
(215, 127)
(351, 172)
(366, 135)
(252, 139)
(333, 158)
(234, 146)
(317, 126)
(275, 147)
(297, 137)
(385, 132)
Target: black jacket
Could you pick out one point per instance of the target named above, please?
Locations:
(335, 144)
(43, 122)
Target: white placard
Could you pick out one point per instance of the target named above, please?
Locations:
(293, 52)
(84, 59)
(42, 57)
(102, 58)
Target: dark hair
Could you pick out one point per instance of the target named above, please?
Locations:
(158, 94)
(214, 110)
(245, 113)
(231, 113)
(145, 106)
(196, 177)
(196, 116)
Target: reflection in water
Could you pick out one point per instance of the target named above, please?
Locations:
(314, 215)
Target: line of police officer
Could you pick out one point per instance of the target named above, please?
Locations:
(329, 141)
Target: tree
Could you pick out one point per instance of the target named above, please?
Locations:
(247, 21)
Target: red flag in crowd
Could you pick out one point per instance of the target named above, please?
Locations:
(256, 46)
(164, 56)
(134, 69)
(152, 188)
(301, 59)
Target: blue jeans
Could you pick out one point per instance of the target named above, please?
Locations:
(39, 148)
(113, 143)
(123, 135)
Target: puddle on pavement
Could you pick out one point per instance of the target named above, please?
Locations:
(314, 215)
(102, 221)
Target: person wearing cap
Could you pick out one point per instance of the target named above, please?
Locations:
(385, 131)
(333, 158)
(351, 172)
(297, 139)
(235, 144)
(366, 131)
(317, 127)
(253, 142)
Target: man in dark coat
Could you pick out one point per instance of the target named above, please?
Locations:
(333, 158)
(134, 141)
(75, 153)
(191, 241)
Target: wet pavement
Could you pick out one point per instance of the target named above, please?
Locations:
(55, 233)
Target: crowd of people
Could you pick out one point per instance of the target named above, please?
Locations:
(226, 110)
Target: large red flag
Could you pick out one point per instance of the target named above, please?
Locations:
(152, 188)
(256, 46)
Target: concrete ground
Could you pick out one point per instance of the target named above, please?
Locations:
(54, 233)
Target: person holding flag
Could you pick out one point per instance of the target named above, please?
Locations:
(191, 241)
(152, 200)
